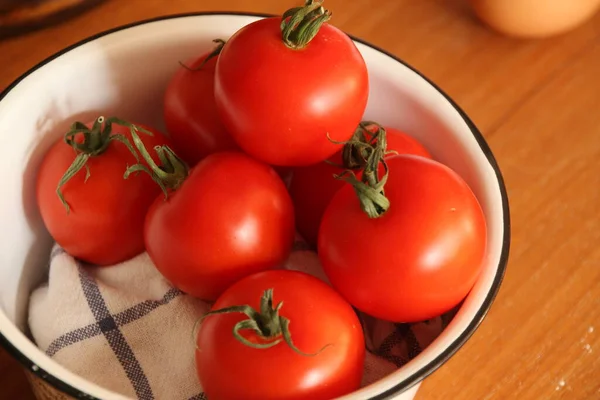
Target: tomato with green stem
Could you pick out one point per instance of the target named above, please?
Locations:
(411, 246)
(190, 112)
(281, 335)
(86, 205)
(226, 218)
(285, 85)
(313, 187)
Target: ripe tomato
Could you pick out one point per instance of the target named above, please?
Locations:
(281, 105)
(105, 221)
(190, 112)
(416, 261)
(320, 321)
(231, 217)
(313, 187)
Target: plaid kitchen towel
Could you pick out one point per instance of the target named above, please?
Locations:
(125, 328)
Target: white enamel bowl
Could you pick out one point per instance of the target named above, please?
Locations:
(124, 72)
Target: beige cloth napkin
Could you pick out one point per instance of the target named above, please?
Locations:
(127, 329)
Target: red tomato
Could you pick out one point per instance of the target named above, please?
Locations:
(280, 103)
(313, 187)
(190, 112)
(321, 322)
(230, 218)
(104, 225)
(416, 261)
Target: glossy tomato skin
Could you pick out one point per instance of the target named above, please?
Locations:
(422, 256)
(105, 224)
(229, 370)
(231, 217)
(313, 187)
(190, 112)
(279, 104)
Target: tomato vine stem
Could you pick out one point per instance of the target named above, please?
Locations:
(215, 52)
(95, 142)
(266, 323)
(299, 25)
(365, 151)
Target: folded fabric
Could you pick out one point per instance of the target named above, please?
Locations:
(127, 329)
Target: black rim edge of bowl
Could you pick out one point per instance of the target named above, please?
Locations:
(420, 374)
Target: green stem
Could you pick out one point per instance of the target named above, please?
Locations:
(299, 25)
(215, 52)
(95, 142)
(266, 323)
(365, 151)
(170, 175)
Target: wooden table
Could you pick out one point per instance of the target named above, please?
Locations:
(538, 104)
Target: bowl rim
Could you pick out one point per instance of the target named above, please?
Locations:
(426, 370)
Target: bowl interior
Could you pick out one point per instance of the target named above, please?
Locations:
(124, 73)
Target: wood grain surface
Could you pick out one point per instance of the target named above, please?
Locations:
(538, 105)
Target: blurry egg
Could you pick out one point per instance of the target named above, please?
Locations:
(534, 18)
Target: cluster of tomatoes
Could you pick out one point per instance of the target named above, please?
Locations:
(400, 236)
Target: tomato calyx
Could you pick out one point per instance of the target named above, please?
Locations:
(364, 152)
(169, 175)
(299, 25)
(216, 51)
(266, 323)
(356, 151)
(95, 142)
